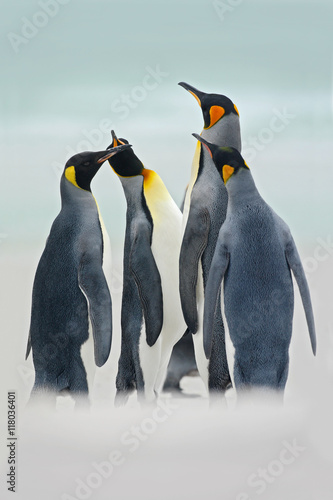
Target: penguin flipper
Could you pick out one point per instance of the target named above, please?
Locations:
(295, 264)
(94, 286)
(193, 245)
(217, 271)
(148, 281)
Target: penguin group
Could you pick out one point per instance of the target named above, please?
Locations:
(208, 286)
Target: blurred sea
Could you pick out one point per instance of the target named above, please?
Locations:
(90, 64)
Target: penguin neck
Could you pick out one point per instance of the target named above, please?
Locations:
(201, 160)
(72, 195)
(225, 133)
(241, 189)
(133, 187)
(195, 165)
(154, 188)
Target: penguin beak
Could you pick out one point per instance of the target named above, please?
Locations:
(115, 141)
(111, 152)
(197, 94)
(114, 138)
(208, 145)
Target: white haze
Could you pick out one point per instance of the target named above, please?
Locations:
(186, 450)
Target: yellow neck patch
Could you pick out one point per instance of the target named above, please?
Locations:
(155, 191)
(195, 165)
(99, 213)
(215, 113)
(148, 178)
(71, 177)
(227, 172)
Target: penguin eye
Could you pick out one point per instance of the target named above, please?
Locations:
(86, 163)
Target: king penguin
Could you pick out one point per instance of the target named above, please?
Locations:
(70, 291)
(151, 317)
(204, 211)
(254, 255)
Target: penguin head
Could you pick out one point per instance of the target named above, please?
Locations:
(81, 168)
(126, 164)
(214, 106)
(228, 161)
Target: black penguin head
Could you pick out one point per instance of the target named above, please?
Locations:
(126, 164)
(214, 106)
(228, 161)
(81, 168)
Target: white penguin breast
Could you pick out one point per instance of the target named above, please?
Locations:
(166, 242)
(200, 357)
(229, 346)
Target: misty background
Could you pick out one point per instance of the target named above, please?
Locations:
(73, 70)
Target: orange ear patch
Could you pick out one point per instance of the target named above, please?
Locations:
(236, 109)
(215, 113)
(227, 172)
